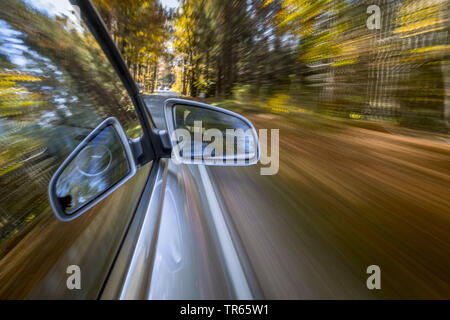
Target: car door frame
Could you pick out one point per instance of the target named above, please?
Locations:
(147, 148)
(131, 269)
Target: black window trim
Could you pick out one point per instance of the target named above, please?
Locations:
(150, 142)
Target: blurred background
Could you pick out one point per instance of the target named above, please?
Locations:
(361, 99)
(360, 91)
(323, 56)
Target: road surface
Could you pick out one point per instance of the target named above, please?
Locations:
(348, 194)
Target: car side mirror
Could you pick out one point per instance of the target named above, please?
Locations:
(99, 165)
(205, 134)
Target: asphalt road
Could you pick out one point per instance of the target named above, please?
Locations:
(348, 194)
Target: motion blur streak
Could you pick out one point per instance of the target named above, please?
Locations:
(242, 291)
(320, 56)
(348, 195)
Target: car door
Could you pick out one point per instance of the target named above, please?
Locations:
(174, 249)
(181, 244)
(56, 85)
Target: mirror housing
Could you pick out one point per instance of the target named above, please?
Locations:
(204, 134)
(100, 164)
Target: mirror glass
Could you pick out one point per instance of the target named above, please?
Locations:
(212, 136)
(94, 169)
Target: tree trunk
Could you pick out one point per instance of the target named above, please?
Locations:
(219, 77)
(445, 67)
(183, 92)
(207, 66)
(154, 77)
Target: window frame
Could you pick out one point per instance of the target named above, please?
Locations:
(150, 145)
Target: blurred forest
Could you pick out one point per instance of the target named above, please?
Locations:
(140, 30)
(294, 55)
(56, 85)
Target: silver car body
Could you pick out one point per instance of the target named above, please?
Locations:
(181, 243)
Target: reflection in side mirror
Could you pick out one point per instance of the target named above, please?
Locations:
(204, 134)
(98, 166)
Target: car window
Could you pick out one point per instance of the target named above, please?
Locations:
(56, 85)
